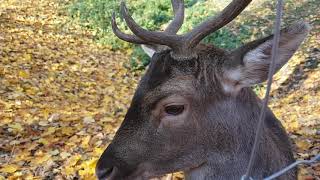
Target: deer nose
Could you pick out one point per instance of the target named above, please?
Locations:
(106, 167)
(107, 173)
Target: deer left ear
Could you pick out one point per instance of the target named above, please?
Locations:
(250, 63)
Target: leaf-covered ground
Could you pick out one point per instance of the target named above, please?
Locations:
(62, 96)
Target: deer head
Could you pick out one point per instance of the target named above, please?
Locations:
(193, 110)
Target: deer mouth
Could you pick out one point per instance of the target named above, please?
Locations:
(144, 174)
(146, 171)
(108, 173)
(114, 173)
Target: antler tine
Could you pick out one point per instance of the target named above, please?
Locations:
(176, 23)
(214, 23)
(154, 37)
(123, 36)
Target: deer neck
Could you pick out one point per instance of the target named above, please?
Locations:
(228, 151)
(218, 167)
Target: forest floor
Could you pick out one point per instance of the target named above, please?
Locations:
(62, 96)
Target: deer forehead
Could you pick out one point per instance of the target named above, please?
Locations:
(177, 85)
(180, 83)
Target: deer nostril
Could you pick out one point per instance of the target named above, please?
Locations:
(107, 173)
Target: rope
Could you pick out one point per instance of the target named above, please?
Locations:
(274, 55)
(284, 170)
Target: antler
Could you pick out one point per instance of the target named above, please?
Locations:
(176, 23)
(143, 36)
(182, 45)
(123, 36)
(214, 23)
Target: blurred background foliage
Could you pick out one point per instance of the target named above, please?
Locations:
(156, 14)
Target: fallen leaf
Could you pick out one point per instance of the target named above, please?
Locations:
(11, 168)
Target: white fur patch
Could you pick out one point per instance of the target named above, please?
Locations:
(234, 74)
(231, 77)
(256, 55)
(148, 50)
(228, 88)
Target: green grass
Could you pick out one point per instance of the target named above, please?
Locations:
(152, 15)
(255, 22)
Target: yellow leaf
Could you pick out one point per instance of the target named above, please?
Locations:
(98, 151)
(54, 152)
(69, 170)
(67, 130)
(16, 126)
(18, 173)
(73, 160)
(27, 57)
(88, 167)
(24, 74)
(49, 131)
(43, 141)
(9, 168)
(31, 91)
(45, 113)
(5, 121)
(29, 177)
(303, 144)
(85, 142)
(23, 156)
(40, 159)
(2, 177)
(64, 155)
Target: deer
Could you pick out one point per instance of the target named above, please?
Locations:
(194, 109)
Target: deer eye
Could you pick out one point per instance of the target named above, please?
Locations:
(174, 109)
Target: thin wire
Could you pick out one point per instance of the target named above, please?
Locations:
(284, 170)
(274, 55)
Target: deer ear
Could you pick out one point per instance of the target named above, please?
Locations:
(250, 63)
(149, 50)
